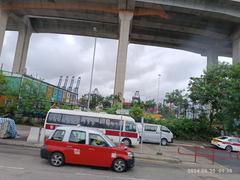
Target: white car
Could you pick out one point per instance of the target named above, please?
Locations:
(227, 142)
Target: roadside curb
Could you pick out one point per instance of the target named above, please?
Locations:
(140, 156)
(19, 143)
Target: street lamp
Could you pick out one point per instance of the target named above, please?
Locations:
(93, 62)
(158, 88)
(158, 101)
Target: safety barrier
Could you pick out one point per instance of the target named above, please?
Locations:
(210, 153)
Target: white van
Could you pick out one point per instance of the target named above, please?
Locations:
(151, 133)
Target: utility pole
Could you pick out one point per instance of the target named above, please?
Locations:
(158, 94)
(93, 62)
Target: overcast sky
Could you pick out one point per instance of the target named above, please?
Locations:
(53, 55)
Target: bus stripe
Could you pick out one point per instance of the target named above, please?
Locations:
(125, 134)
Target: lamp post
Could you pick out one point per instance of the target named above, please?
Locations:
(93, 62)
(158, 88)
(158, 101)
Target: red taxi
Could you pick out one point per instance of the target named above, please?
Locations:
(80, 145)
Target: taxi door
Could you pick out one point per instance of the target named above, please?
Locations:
(76, 148)
(99, 152)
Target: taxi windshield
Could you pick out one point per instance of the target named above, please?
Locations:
(109, 140)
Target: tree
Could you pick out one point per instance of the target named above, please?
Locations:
(95, 100)
(7, 109)
(218, 89)
(115, 103)
(177, 102)
(136, 112)
(166, 112)
(111, 100)
(3, 84)
(150, 106)
(32, 101)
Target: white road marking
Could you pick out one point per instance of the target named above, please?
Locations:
(110, 177)
(8, 167)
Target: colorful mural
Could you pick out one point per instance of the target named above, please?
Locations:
(18, 83)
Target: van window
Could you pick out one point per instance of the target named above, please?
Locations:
(164, 129)
(150, 128)
(58, 135)
(97, 140)
(130, 126)
(77, 137)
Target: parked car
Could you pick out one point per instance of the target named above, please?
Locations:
(153, 133)
(228, 143)
(85, 146)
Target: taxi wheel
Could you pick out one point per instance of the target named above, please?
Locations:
(56, 159)
(127, 142)
(229, 148)
(119, 165)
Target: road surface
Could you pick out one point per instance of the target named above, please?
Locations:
(22, 163)
(229, 160)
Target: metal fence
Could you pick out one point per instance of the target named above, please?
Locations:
(209, 153)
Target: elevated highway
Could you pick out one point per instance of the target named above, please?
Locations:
(207, 27)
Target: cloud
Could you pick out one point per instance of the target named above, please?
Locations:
(8, 51)
(53, 55)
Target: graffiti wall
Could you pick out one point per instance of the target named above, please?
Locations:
(16, 85)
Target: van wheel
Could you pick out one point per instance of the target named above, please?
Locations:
(229, 148)
(56, 159)
(119, 165)
(127, 142)
(164, 142)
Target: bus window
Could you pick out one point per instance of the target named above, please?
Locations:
(113, 124)
(102, 123)
(54, 118)
(70, 119)
(130, 126)
(89, 121)
(107, 125)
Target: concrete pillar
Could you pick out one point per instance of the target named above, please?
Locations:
(212, 58)
(3, 25)
(20, 59)
(125, 23)
(236, 50)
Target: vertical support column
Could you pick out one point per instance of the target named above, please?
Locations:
(236, 46)
(125, 22)
(212, 58)
(20, 59)
(3, 25)
(236, 51)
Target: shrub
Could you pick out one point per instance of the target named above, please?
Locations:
(186, 129)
